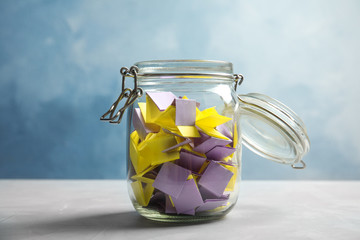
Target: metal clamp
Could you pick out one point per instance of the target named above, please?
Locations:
(129, 94)
(303, 165)
(238, 79)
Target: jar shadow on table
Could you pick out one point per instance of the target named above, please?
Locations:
(131, 220)
(98, 222)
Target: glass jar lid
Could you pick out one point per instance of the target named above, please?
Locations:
(272, 130)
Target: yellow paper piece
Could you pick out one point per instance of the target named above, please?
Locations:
(235, 140)
(209, 118)
(148, 191)
(190, 177)
(166, 119)
(218, 209)
(205, 113)
(188, 131)
(185, 97)
(153, 147)
(139, 162)
(153, 127)
(135, 137)
(212, 132)
(156, 118)
(198, 113)
(143, 179)
(142, 107)
(172, 203)
(152, 111)
(231, 185)
(140, 176)
(142, 195)
(206, 163)
(143, 143)
(138, 192)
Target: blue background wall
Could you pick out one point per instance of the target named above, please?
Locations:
(60, 61)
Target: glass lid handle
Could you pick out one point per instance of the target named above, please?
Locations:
(271, 129)
(303, 165)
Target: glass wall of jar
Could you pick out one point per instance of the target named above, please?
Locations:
(184, 149)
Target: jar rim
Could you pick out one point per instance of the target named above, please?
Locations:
(185, 67)
(183, 60)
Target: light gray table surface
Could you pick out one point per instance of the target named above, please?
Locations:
(101, 209)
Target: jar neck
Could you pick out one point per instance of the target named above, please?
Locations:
(184, 71)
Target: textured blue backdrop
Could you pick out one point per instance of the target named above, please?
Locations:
(59, 71)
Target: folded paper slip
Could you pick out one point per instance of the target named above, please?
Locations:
(139, 162)
(215, 179)
(139, 124)
(190, 161)
(185, 112)
(171, 179)
(153, 127)
(162, 100)
(141, 194)
(232, 168)
(210, 118)
(188, 199)
(210, 204)
(205, 143)
(219, 152)
(152, 149)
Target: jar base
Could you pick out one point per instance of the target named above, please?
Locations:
(155, 215)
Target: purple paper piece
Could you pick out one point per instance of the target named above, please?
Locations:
(226, 196)
(189, 198)
(185, 112)
(205, 143)
(197, 103)
(190, 161)
(215, 178)
(220, 152)
(162, 99)
(190, 212)
(169, 208)
(224, 130)
(203, 137)
(139, 124)
(171, 179)
(210, 204)
(158, 199)
(186, 141)
(158, 196)
(206, 194)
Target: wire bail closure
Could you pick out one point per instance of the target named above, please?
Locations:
(238, 79)
(129, 94)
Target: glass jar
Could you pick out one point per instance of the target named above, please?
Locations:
(185, 132)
